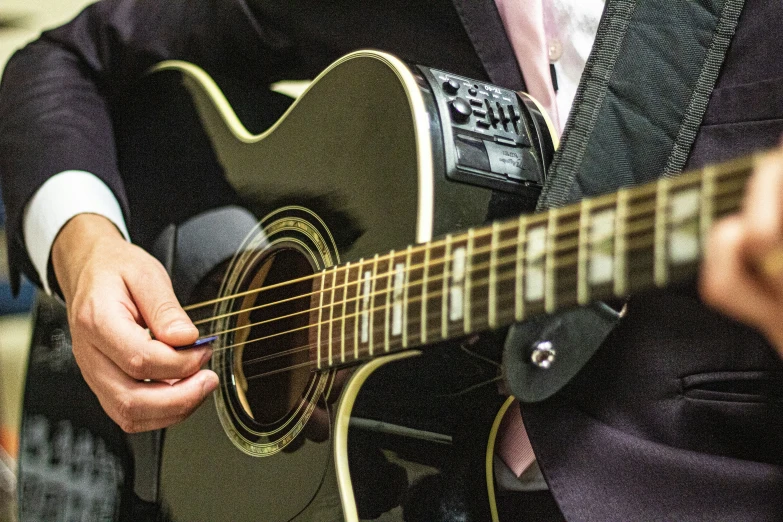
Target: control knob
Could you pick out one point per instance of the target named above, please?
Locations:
(460, 110)
(451, 86)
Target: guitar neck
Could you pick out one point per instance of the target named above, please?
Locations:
(609, 246)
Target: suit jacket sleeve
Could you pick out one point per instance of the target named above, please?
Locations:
(57, 93)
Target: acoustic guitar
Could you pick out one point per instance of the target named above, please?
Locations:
(394, 227)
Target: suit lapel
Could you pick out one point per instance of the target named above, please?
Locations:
(485, 29)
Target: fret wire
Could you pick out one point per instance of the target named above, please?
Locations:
(549, 263)
(425, 274)
(646, 209)
(519, 306)
(493, 258)
(405, 297)
(572, 260)
(636, 228)
(640, 209)
(467, 288)
(445, 300)
(331, 314)
(345, 304)
(620, 281)
(372, 302)
(584, 253)
(634, 244)
(389, 290)
(356, 308)
(660, 268)
(707, 192)
(320, 317)
(565, 263)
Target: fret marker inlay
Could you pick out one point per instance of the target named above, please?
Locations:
(399, 281)
(602, 247)
(457, 280)
(366, 306)
(684, 237)
(534, 264)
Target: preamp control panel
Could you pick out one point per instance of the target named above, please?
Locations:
(494, 137)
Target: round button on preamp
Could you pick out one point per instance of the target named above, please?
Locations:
(451, 86)
(460, 110)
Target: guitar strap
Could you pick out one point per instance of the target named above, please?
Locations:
(637, 111)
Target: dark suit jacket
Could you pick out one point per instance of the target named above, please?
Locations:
(677, 417)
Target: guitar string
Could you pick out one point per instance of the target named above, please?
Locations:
(430, 333)
(565, 262)
(381, 292)
(414, 250)
(382, 307)
(500, 264)
(410, 323)
(689, 180)
(483, 235)
(563, 246)
(573, 227)
(480, 284)
(293, 351)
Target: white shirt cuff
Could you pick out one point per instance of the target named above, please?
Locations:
(60, 198)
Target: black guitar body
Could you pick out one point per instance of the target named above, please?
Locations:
(373, 157)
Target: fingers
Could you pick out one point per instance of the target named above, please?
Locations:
(111, 327)
(762, 212)
(121, 288)
(113, 289)
(142, 406)
(727, 282)
(154, 297)
(742, 272)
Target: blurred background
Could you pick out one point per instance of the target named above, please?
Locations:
(20, 22)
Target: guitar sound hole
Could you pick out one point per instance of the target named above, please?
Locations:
(271, 363)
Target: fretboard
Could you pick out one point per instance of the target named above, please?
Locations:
(608, 246)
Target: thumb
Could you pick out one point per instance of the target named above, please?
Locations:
(157, 304)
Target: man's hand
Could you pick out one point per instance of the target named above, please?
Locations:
(113, 290)
(742, 273)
